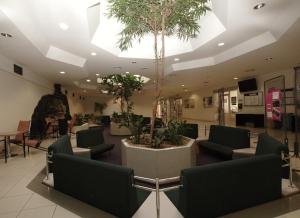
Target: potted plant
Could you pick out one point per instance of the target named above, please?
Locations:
(160, 18)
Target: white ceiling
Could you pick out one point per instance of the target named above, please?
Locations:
(249, 36)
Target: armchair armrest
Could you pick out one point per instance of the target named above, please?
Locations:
(82, 152)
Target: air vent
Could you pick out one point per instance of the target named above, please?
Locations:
(18, 69)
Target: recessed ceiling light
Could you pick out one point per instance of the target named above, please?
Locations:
(97, 74)
(221, 44)
(63, 26)
(6, 35)
(62, 72)
(127, 72)
(93, 53)
(104, 91)
(176, 59)
(182, 85)
(258, 6)
(235, 78)
(88, 80)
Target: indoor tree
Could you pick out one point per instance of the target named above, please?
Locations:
(122, 87)
(160, 18)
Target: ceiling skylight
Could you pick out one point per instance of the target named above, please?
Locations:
(211, 27)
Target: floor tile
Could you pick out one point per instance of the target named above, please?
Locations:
(60, 212)
(41, 212)
(13, 204)
(9, 215)
(38, 201)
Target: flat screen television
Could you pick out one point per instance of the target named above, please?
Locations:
(247, 85)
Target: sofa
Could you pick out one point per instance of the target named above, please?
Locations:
(93, 139)
(268, 145)
(217, 189)
(105, 186)
(223, 140)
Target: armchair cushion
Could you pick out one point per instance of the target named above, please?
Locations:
(97, 150)
(224, 151)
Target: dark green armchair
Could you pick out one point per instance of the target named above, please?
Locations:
(93, 139)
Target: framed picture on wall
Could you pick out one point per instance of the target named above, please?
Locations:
(208, 101)
(189, 103)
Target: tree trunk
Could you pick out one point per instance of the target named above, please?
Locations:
(156, 86)
(159, 74)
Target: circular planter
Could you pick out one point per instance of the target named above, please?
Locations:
(158, 163)
(115, 129)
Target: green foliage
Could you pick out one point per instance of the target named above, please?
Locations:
(159, 137)
(140, 17)
(122, 87)
(175, 131)
(135, 124)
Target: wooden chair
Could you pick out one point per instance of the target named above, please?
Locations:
(24, 127)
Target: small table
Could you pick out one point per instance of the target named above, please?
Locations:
(7, 136)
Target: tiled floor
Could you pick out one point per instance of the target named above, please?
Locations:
(23, 195)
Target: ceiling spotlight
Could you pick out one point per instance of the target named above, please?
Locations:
(268, 59)
(127, 72)
(62, 72)
(93, 53)
(6, 35)
(97, 74)
(88, 80)
(104, 91)
(221, 44)
(182, 85)
(259, 6)
(235, 78)
(63, 26)
(176, 59)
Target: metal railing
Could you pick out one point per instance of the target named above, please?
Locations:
(157, 188)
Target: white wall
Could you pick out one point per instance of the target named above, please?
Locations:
(142, 105)
(200, 112)
(19, 94)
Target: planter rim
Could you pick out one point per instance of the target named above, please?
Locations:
(188, 144)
